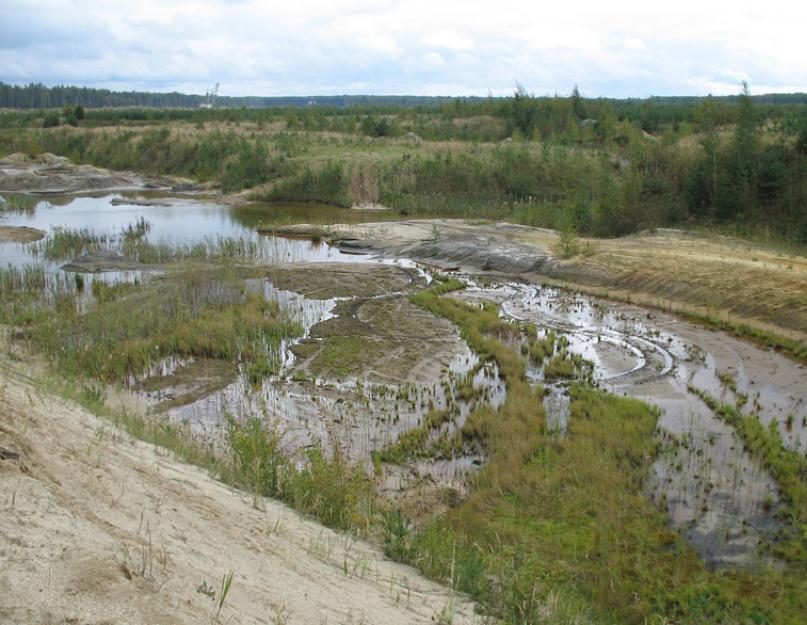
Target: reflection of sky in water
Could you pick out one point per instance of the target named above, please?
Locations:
(181, 221)
(174, 220)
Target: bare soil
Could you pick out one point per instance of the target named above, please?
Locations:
(98, 528)
(329, 280)
(387, 340)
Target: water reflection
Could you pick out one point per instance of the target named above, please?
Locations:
(172, 221)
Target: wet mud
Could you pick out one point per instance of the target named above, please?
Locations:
(20, 234)
(717, 495)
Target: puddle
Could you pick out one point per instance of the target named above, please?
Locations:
(357, 416)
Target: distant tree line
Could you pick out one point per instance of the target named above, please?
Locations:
(38, 96)
(651, 112)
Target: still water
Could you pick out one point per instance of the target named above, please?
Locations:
(175, 221)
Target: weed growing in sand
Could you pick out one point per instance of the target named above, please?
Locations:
(146, 561)
(281, 614)
(331, 490)
(224, 591)
(396, 535)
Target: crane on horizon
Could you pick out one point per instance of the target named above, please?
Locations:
(210, 98)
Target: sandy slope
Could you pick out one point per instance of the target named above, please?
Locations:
(98, 528)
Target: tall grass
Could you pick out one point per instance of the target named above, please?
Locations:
(63, 243)
(16, 202)
(207, 249)
(132, 243)
(195, 314)
(30, 294)
(328, 184)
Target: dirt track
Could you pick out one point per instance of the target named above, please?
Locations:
(98, 528)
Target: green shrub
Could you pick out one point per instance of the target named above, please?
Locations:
(327, 185)
(338, 495)
(51, 120)
(255, 444)
(396, 535)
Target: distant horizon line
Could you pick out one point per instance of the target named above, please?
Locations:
(447, 96)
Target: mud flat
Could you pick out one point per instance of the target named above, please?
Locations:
(322, 281)
(737, 281)
(443, 244)
(387, 340)
(106, 261)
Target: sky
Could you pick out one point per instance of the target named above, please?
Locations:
(613, 48)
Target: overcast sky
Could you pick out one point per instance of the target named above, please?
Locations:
(424, 47)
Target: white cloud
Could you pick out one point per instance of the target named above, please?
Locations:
(447, 39)
(269, 47)
(634, 43)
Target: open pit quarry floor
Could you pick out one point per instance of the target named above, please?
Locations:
(96, 527)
